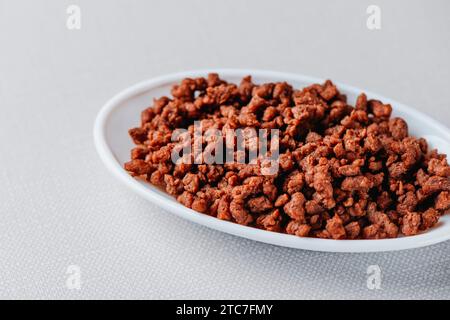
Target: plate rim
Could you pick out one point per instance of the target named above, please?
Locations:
(274, 238)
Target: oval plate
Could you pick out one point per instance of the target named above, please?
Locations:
(122, 113)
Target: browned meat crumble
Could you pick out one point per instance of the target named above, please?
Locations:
(345, 172)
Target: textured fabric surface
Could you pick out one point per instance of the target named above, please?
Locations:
(59, 206)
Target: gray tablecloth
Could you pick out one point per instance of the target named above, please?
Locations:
(69, 230)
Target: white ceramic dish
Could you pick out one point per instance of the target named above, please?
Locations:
(122, 112)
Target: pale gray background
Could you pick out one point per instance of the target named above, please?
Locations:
(60, 207)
